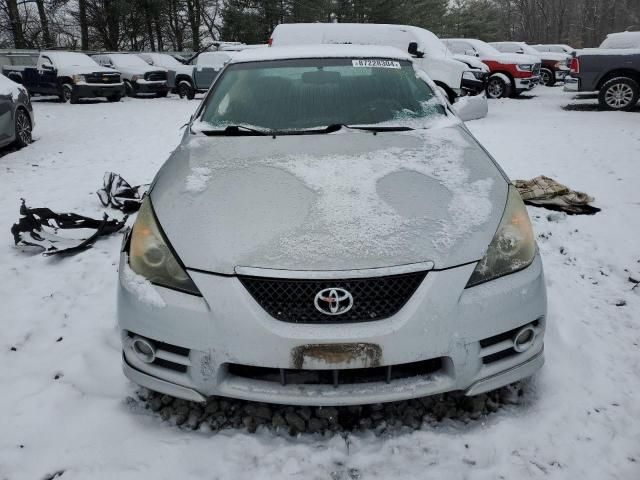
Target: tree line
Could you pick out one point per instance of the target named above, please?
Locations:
(177, 25)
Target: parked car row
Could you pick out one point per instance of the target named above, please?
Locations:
(74, 75)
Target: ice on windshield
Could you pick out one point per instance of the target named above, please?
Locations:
(164, 60)
(304, 94)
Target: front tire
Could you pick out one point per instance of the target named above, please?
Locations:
(67, 93)
(23, 129)
(620, 93)
(547, 77)
(128, 88)
(497, 87)
(185, 89)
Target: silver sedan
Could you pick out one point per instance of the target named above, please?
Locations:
(328, 233)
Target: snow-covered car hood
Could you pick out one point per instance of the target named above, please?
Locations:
(553, 56)
(518, 58)
(67, 71)
(343, 201)
(474, 62)
(139, 70)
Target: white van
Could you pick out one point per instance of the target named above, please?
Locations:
(431, 54)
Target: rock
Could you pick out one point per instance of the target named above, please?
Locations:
(330, 413)
(250, 424)
(492, 406)
(166, 413)
(259, 411)
(317, 425)
(180, 419)
(366, 423)
(212, 407)
(277, 421)
(182, 409)
(155, 404)
(304, 412)
(295, 421)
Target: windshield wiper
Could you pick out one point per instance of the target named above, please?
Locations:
(334, 127)
(235, 130)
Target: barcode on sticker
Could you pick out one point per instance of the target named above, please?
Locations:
(375, 63)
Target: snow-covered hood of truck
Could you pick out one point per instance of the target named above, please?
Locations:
(128, 72)
(343, 201)
(515, 58)
(70, 70)
(473, 62)
(554, 57)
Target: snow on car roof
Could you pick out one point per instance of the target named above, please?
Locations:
(398, 36)
(622, 40)
(319, 51)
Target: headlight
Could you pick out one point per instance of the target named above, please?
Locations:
(513, 247)
(151, 256)
(525, 67)
(78, 78)
(473, 75)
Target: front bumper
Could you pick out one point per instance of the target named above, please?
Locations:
(475, 86)
(146, 86)
(201, 341)
(525, 84)
(92, 90)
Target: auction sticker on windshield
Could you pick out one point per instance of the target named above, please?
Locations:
(376, 63)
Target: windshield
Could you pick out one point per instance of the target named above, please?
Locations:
(71, 59)
(216, 60)
(126, 60)
(165, 60)
(311, 93)
(529, 50)
(484, 48)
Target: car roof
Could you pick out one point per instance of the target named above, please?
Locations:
(319, 51)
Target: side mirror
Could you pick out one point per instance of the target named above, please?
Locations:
(471, 53)
(47, 66)
(413, 50)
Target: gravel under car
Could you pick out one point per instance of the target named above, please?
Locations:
(328, 232)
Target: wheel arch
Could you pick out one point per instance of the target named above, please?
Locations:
(620, 72)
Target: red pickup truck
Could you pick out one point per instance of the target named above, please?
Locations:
(511, 74)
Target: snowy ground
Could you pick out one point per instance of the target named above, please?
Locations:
(66, 407)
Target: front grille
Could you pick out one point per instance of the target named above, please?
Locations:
(155, 76)
(105, 78)
(351, 376)
(293, 300)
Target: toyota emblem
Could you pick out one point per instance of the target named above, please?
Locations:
(333, 301)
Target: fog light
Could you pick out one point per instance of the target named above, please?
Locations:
(524, 339)
(144, 349)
